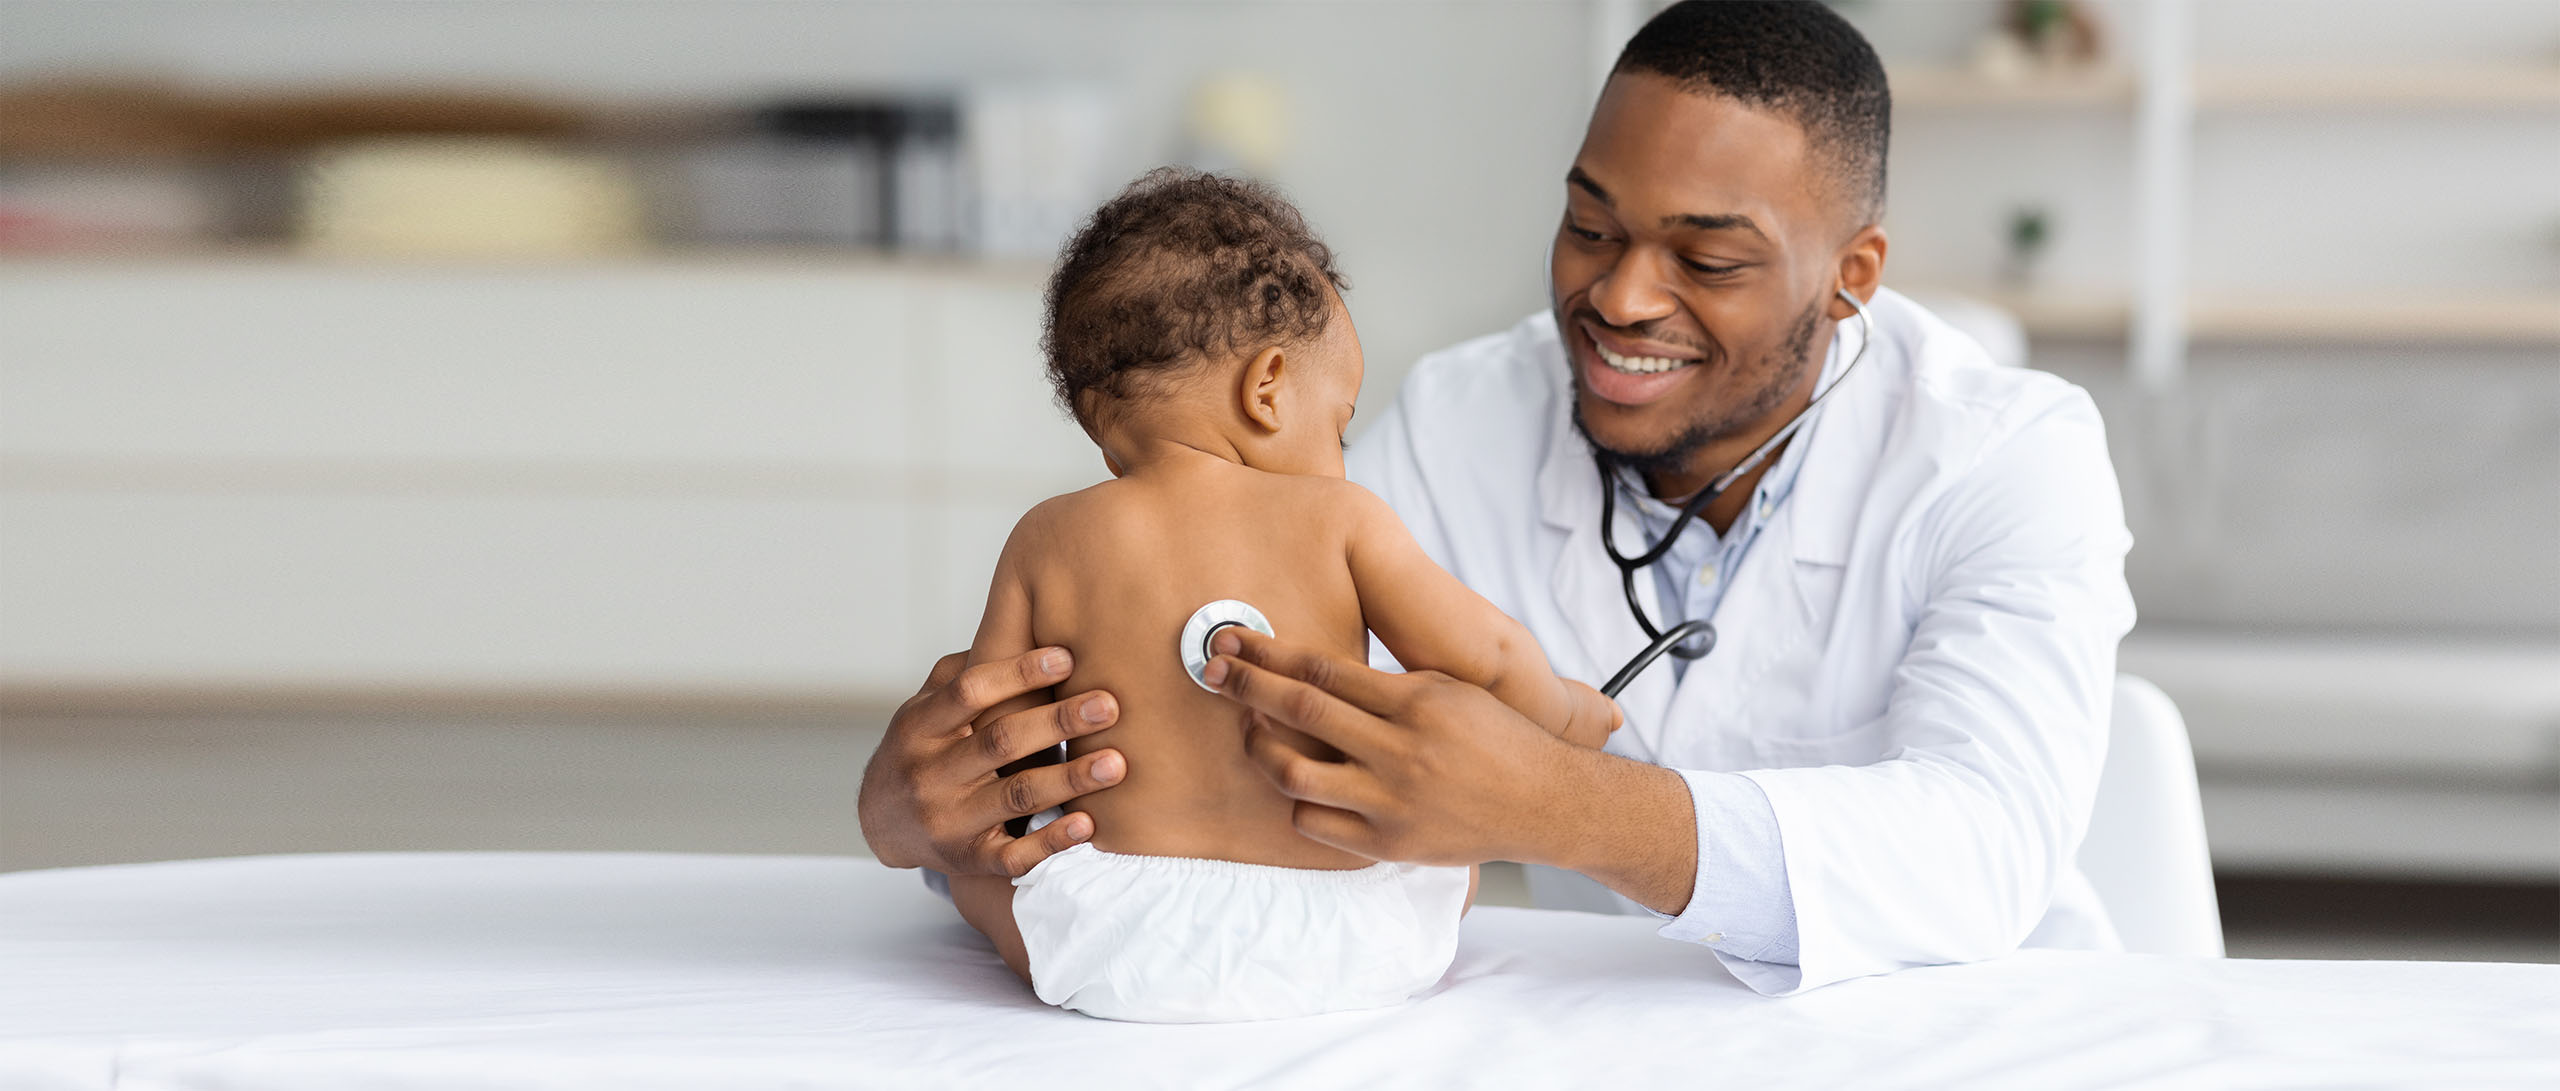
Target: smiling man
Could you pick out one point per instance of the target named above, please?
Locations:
(1889, 756)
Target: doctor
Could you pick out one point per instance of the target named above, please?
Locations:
(1889, 757)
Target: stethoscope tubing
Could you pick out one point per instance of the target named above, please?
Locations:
(1628, 566)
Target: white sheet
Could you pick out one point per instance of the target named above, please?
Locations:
(464, 971)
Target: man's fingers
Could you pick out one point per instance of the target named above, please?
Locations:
(1019, 735)
(1301, 777)
(944, 670)
(987, 685)
(1292, 703)
(1021, 854)
(1032, 791)
(1373, 690)
(1336, 827)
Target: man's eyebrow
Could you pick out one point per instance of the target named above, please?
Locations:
(1728, 221)
(1575, 177)
(1694, 221)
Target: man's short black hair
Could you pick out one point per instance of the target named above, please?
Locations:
(1796, 58)
(1182, 266)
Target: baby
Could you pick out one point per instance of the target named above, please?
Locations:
(1196, 330)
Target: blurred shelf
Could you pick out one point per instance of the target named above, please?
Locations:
(2483, 87)
(2057, 314)
(2517, 320)
(2486, 86)
(1957, 88)
(2524, 319)
(39, 696)
(704, 257)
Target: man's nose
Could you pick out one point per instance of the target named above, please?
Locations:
(1632, 292)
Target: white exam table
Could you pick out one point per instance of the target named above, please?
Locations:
(637, 971)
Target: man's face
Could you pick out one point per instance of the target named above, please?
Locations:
(1695, 257)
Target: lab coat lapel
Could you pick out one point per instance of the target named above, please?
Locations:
(1831, 487)
(1586, 585)
(1768, 628)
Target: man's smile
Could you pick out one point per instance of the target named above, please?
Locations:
(1624, 371)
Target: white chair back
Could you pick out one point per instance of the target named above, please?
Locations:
(2146, 850)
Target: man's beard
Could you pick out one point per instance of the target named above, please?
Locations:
(1786, 365)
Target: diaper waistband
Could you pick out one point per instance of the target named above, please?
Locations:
(1373, 874)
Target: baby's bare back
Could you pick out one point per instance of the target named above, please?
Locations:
(1113, 574)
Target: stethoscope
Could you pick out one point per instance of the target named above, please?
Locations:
(1701, 632)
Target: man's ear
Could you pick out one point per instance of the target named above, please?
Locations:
(1258, 392)
(1861, 269)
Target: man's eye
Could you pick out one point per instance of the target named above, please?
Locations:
(1709, 270)
(1580, 232)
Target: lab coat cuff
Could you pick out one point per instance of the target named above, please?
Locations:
(1739, 904)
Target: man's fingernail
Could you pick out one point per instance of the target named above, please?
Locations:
(1216, 672)
(1078, 827)
(1108, 767)
(1226, 643)
(1094, 710)
(1054, 661)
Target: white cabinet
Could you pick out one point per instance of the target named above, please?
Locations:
(710, 476)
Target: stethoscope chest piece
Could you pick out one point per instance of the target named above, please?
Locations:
(1204, 625)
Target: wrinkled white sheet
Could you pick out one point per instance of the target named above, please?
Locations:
(638, 971)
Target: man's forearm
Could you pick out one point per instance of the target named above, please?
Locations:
(1630, 825)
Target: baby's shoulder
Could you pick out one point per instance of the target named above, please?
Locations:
(1095, 509)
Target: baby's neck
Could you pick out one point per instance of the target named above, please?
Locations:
(1138, 451)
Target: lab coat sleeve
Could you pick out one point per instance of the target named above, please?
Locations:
(1951, 847)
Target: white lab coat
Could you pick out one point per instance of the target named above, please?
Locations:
(1915, 660)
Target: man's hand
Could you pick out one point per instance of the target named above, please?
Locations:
(1436, 771)
(932, 795)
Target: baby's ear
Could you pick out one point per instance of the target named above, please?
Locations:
(1258, 391)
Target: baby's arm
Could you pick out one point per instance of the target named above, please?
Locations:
(1430, 621)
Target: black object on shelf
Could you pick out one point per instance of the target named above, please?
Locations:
(901, 156)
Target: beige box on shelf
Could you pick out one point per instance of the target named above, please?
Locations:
(468, 197)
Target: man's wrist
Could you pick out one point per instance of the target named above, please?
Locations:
(1630, 825)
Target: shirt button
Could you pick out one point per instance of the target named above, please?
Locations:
(1707, 575)
(1766, 506)
(1715, 937)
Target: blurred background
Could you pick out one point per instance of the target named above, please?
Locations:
(560, 424)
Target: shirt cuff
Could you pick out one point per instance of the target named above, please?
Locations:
(1740, 906)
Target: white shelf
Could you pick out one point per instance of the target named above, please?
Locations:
(219, 253)
(2499, 87)
(2526, 319)
(2490, 86)
(2522, 319)
(1956, 88)
(2057, 314)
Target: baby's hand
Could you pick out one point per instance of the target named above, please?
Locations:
(1594, 716)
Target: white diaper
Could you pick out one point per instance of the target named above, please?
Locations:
(1170, 939)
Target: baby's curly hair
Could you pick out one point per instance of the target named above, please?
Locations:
(1182, 266)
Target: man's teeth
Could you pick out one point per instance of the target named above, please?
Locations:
(1637, 365)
